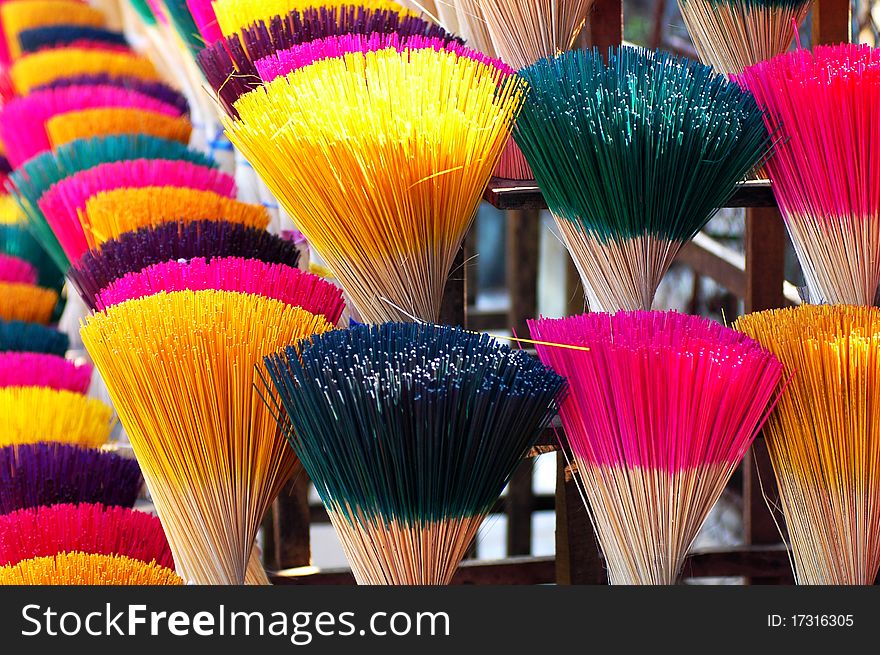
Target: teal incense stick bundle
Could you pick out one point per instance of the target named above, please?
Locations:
(634, 156)
(410, 433)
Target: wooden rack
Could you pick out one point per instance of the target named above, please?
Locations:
(757, 278)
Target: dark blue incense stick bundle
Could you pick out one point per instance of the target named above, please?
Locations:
(410, 433)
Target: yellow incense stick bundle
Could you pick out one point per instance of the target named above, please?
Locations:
(382, 159)
(46, 66)
(111, 213)
(26, 302)
(180, 369)
(235, 15)
(10, 212)
(19, 16)
(89, 123)
(824, 437)
(35, 414)
(87, 569)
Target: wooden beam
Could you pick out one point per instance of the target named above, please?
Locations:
(578, 559)
(290, 525)
(453, 308)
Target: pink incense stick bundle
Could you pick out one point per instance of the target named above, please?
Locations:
(279, 281)
(85, 528)
(202, 12)
(284, 61)
(64, 201)
(662, 407)
(21, 369)
(13, 269)
(23, 120)
(824, 107)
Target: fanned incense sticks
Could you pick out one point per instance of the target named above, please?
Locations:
(34, 369)
(60, 36)
(416, 134)
(824, 437)
(40, 474)
(87, 569)
(202, 12)
(84, 528)
(23, 120)
(472, 25)
(228, 65)
(63, 202)
(284, 61)
(410, 433)
(732, 34)
(155, 89)
(19, 336)
(43, 67)
(522, 32)
(25, 302)
(135, 251)
(279, 281)
(180, 371)
(633, 158)
(15, 269)
(109, 214)
(236, 15)
(88, 123)
(825, 172)
(20, 16)
(662, 407)
(17, 241)
(36, 175)
(34, 414)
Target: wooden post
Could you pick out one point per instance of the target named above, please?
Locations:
(523, 234)
(832, 22)
(765, 275)
(453, 309)
(578, 560)
(290, 526)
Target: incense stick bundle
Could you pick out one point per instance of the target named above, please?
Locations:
(180, 371)
(236, 15)
(109, 214)
(159, 90)
(825, 171)
(824, 439)
(34, 369)
(87, 569)
(34, 475)
(83, 528)
(89, 123)
(60, 36)
(522, 32)
(634, 157)
(38, 174)
(65, 200)
(15, 269)
(421, 429)
(405, 141)
(732, 34)
(202, 12)
(284, 62)
(26, 302)
(20, 16)
(228, 65)
(279, 281)
(34, 414)
(662, 409)
(43, 67)
(472, 25)
(23, 120)
(135, 251)
(17, 241)
(18, 336)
